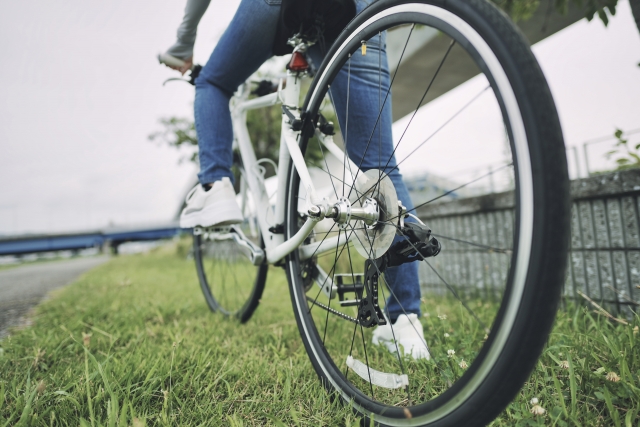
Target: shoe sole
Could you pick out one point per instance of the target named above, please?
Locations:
(414, 346)
(213, 215)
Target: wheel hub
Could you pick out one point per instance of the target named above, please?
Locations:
(374, 208)
(344, 212)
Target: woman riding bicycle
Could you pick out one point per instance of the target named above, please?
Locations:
(245, 45)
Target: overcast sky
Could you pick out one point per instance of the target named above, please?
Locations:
(80, 90)
(594, 77)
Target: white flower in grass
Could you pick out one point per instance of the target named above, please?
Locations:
(446, 335)
(425, 315)
(534, 401)
(612, 376)
(451, 353)
(635, 330)
(463, 364)
(442, 316)
(564, 364)
(537, 410)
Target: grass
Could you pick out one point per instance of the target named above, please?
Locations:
(133, 343)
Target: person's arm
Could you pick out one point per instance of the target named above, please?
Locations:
(193, 12)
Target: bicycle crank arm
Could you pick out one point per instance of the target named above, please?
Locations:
(255, 253)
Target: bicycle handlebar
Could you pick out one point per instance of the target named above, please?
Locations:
(165, 58)
(172, 61)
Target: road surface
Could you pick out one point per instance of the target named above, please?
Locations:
(23, 287)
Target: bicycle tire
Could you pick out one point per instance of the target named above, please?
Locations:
(220, 263)
(533, 272)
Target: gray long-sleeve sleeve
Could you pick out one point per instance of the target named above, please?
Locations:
(193, 12)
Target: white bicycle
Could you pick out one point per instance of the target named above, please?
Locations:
(332, 226)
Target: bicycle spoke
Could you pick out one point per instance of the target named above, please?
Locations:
(325, 238)
(329, 273)
(353, 338)
(335, 262)
(472, 130)
(424, 95)
(488, 248)
(224, 272)
(417, 107)
(366, 358)
(395, 342)
(353, 280)
(346, 137)
(352, 186)
(452, 191)
(412, 326)
(398, 355)
(385, 174)
(444, 125)
(451, 289)
(385, 101)
(380, 97)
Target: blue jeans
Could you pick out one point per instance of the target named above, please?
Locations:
(242, 49)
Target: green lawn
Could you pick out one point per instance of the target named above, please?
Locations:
(133, 343)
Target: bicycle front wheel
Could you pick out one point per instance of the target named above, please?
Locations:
(496, 198)
(232, 285)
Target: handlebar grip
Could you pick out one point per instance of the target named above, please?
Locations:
(167, 59)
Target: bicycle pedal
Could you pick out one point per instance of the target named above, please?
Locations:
(349, 303)
(345, 284)
(418, 245)
(198, 230)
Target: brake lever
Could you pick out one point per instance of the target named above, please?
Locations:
(193, 75)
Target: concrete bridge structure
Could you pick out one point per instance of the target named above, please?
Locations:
(425, 52)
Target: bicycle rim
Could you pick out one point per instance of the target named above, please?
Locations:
(231, 284)
(489, 297)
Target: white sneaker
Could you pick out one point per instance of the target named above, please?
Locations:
(217, 206)
(408, 335)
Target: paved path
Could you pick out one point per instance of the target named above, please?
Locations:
(23, 287)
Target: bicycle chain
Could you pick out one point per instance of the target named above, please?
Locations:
(333, 311)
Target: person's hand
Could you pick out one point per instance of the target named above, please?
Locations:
(188, 63)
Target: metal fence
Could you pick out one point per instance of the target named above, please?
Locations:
(604, 262)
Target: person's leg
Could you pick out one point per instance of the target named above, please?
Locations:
(245, 45)
(369, 144)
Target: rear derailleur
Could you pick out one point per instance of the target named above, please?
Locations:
(416, 246)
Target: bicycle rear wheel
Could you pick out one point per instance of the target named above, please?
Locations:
(232, 285)
(490, 296)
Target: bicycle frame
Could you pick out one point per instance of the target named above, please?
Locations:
(276, 247)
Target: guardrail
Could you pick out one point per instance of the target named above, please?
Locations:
(21, 245)
(604, 261)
